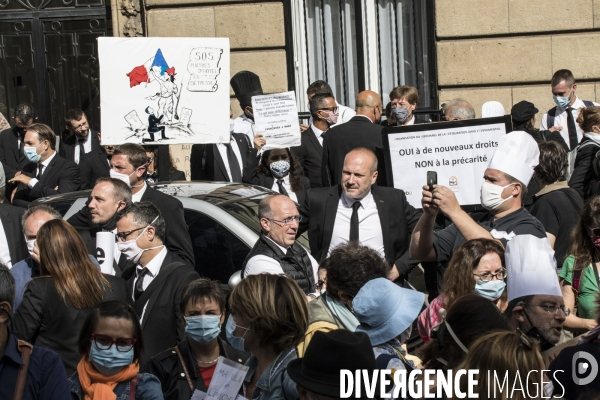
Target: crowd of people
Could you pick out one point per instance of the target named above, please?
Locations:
(507, 280)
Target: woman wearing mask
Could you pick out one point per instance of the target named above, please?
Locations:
(192, 363)
(280, 171)
(269, 316)
(476, 267)
(111, 343)
(584, 179)
(579, 279)
(56, 304)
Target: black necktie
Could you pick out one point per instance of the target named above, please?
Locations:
(281, 187)
(573, 141)
(354, 222)
(81, 149)
(139, 284)
(234, 165)
(40, 168)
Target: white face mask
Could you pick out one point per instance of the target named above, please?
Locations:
(491, 195)
(122, 177)
(30, 246)
(130, 248)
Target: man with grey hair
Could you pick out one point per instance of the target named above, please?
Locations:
(12, 245)
(156, 279)
(276, 251)
(458, 110)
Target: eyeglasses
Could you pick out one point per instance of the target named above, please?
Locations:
(123, 235)
(84, 125)
(104, 343)
(553, 308)
(488, 276)
(288, 220)
(332, 109)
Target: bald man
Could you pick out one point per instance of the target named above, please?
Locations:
(356, 210)
(363, 130)
(276, 251)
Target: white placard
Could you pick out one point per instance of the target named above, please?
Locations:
(172, 87)
(105, 250)
(459, 156)
(276, 118)
(227, 380)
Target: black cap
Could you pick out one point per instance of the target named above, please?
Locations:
(246, 84)
(522, 112)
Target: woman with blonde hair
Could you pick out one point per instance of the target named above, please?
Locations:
(584, 179)
(56, 304)
(269, 316)
(505, 354)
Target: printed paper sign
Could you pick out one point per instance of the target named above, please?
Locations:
(459, 155)
(227, 380)
(276, 118)
(164, 90)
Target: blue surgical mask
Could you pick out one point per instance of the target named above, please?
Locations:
(491, 290)
(109, 362)
(236, 342)
(31, 153)
(562, 102)
(203, 329)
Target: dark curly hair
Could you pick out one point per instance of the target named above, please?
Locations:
(553, 163)
(350, 266)
(295, 173)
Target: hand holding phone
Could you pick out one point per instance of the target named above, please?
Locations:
(431, 179)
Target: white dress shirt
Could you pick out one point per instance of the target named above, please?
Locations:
(236, 150)
(561, 120)
(318, 133)
(286, 186)
(245, 125)
(45, 164)
(4, 251)
(369, 225)
(153, 270)
(136, 198)
(87, 146)
(266, 265)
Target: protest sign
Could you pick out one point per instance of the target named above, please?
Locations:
(164, 90)
(276, 118)
(553, 352)
(105, 251)
(459, 151)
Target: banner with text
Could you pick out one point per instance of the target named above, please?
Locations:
(459, 151)
(276, 118)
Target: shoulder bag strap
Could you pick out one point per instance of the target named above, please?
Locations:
(132, 387)
(185, 371)
(550, 118)
(25, 349)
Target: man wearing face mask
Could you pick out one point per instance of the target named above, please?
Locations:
(47, 173)
(245, 84)
(363, 130)
(535, 301)
(155, 282)
(276, 251)
(404, 100)
(194, 359)
(12, 244)
(505, 183)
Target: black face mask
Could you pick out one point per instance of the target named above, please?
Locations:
(111, 224)
(536, 334)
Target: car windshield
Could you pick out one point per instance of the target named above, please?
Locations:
(246, 211)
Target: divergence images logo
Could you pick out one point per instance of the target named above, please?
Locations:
(584, 364)
(453, 181)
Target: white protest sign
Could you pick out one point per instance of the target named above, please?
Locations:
(227, 380)
(164, 90)
(459, 156)
(105, 250)
(276, 118)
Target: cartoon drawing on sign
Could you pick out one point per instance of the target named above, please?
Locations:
(162, 92)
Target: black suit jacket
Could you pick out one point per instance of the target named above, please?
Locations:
(310, 155)
(162, 322)
(70, 143)
(12, 160)
(60, 172)
(92, 166)
(341, 139)
(584, 178)
(44, 320)
(206, 163)
(11, 222)
(397, 217)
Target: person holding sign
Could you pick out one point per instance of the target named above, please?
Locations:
(502, 193)
(269, 316)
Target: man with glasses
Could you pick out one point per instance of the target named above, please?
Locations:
(157, 279)
(276, 251)
(535, 302)
(81, 139)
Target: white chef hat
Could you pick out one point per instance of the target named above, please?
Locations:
(530, 267)
(492, 109)
(517, 154)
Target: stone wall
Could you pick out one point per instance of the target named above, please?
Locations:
(507, 50)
